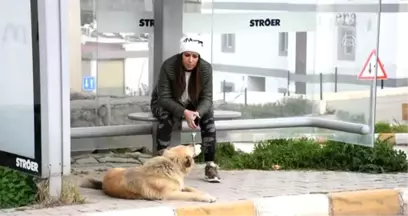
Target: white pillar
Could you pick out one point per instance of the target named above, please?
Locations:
(168, 29)
(55, 109)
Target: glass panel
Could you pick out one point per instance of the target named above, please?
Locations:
(115, 62)
(16, 79)
(253, 60)
(114, 44)
(395, 108)
(344, 39)
(274, 60)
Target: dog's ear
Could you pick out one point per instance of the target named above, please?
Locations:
(188, 162)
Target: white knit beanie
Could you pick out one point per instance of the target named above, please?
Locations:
(192, 43)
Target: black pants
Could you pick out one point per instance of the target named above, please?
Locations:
(206, 123)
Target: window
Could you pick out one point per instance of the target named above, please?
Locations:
(227, 86)
(228, 43)
(346, 43)
(257, 84)
(283, 43)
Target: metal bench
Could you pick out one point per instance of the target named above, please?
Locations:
(177, 129)
(223, 125)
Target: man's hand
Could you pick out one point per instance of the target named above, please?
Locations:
(197, 114)
(190, 116)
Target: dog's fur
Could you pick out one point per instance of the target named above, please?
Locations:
(159, 178)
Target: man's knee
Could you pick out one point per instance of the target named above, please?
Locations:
(207, 120)
(207, 123)
(208, 116)
(164, 115)
(161, 114)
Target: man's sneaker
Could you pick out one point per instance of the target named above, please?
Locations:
(211, 173)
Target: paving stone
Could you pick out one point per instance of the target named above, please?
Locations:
(236, 185)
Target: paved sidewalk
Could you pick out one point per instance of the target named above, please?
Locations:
(236, 185)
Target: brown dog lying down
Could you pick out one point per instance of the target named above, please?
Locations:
(159, 178)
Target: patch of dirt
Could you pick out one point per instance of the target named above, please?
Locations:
(94, 165)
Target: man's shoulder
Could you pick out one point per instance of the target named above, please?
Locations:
(204, 63)
(171, 61)
(205, 66)
(170, 64)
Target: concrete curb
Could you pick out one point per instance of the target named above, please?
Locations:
(398, 139)
(364, 202)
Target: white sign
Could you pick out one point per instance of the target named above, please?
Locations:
(27, 164)
(16, 79)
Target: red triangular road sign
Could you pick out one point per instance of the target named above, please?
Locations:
(368, 71)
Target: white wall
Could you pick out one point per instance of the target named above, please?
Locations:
(261, 50)
(324, 48)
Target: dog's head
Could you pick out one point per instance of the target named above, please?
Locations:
(195, 148)
(182, 155)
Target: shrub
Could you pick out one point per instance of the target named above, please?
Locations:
(307, 154)
(385, 127)
(400, 128)
(225, 151)
(16, 189)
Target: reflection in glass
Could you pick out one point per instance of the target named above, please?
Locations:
(115, 52)
(307, 66)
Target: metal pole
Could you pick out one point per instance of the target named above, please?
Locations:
(223, 90)
(373, 90)
(335, 79)
(246, 96)
(321, 86)
(288, 84)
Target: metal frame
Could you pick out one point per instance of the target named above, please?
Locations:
(157, 39)
(65, 87)
(226, 125)
(373, 89)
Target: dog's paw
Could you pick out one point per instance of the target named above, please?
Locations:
(210, 198)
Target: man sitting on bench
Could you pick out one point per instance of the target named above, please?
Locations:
(184, 89)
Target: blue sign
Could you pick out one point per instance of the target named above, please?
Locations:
(89, 83)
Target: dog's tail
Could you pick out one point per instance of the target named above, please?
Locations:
(92, 183)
